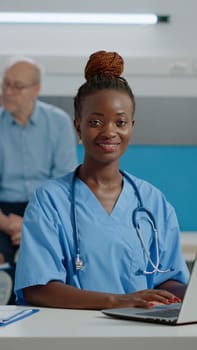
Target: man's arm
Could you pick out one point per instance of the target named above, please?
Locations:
(4, 222)
(11, 225)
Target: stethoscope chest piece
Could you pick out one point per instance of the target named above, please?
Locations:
(79, 263)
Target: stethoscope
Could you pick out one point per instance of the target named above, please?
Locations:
(79, 264)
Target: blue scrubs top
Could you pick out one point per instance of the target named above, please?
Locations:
(113, 257)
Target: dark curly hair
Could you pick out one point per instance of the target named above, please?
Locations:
(102, 71)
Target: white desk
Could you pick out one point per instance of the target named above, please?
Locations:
(84, 330)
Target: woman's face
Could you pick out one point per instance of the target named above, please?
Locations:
(106, 124)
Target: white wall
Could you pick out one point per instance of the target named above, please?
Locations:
(160, 60)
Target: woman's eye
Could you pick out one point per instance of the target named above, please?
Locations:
(121, 123)
(94, 123)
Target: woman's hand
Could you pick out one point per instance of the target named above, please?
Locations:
(145, 298)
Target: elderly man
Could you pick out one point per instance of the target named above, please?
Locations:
(37, 142)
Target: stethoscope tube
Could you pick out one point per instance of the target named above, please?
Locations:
(78, 260)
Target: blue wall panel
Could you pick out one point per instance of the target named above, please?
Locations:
(173, 169)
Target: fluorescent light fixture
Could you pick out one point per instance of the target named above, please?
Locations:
(79, 18)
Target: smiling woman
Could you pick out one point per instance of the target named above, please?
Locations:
(79, 225)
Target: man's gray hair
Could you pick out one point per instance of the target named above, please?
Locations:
(39, 71)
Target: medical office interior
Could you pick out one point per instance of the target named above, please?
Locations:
(161, 67)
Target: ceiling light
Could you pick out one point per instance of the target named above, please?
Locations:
(80, 18)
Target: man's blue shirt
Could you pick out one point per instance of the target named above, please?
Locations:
(42, 149)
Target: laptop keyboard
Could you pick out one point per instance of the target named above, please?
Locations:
(162, 313)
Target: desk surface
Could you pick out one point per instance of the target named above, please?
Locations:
(84, 330)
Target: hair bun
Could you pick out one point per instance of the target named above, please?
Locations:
(105, 63)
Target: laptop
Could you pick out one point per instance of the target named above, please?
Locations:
(173, 314)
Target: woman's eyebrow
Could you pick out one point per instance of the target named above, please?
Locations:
(121, 113)
(97, 113)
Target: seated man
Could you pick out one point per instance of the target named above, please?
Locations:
(37, 142)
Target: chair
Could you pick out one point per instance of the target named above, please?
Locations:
(6, 287)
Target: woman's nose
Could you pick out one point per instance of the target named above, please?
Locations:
(109, 130)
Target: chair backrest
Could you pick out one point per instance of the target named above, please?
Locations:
(6, 285)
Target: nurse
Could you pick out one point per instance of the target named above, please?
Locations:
(84, 244)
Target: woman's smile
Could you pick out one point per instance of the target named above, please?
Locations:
(109, 147)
